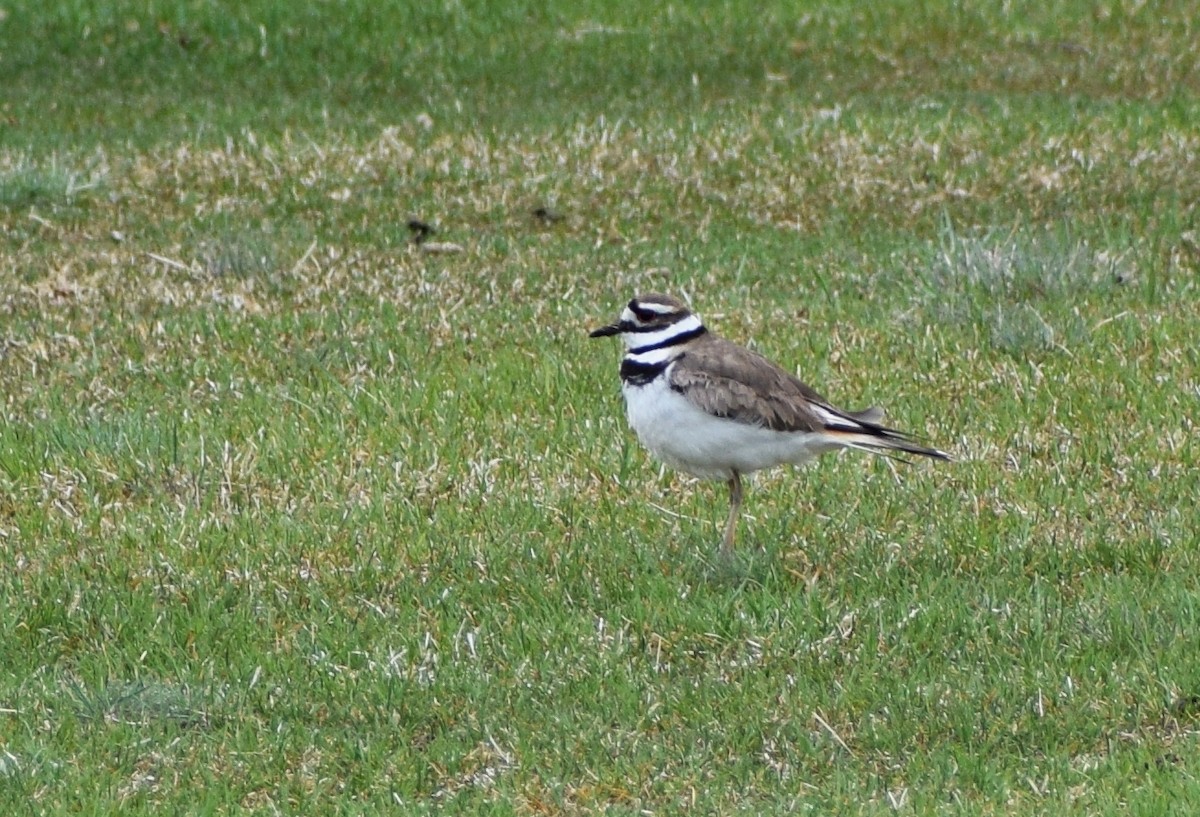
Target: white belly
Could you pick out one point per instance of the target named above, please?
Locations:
(687, 438)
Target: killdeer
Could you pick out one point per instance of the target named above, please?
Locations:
(716, 410)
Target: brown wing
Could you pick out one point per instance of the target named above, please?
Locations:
(727, 380)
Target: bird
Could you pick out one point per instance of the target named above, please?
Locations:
(716, 410)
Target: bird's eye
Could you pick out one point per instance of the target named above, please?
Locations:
(642, 313)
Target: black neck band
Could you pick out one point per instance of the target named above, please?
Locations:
(674, 340)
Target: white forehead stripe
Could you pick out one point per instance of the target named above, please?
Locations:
(657, 308)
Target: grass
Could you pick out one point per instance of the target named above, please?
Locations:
(298, 515)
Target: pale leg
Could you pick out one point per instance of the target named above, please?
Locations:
(735, 504)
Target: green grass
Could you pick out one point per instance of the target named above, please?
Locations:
(297, 516)
(132, 71)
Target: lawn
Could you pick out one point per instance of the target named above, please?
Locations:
(301, 515)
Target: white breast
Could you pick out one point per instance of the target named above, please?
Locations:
(691, 440)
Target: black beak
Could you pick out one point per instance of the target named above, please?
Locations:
(605, 331)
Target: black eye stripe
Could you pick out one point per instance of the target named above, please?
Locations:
(630, 326)
(640, 312)
(647, 315)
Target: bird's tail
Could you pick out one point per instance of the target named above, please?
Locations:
(862, 430)
(885, 441)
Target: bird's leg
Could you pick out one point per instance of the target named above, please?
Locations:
(735, 504)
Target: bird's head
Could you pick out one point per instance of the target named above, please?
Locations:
(648, 319)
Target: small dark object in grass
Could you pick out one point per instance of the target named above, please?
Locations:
(547, 216)
(420, 230)
(1187, 706)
